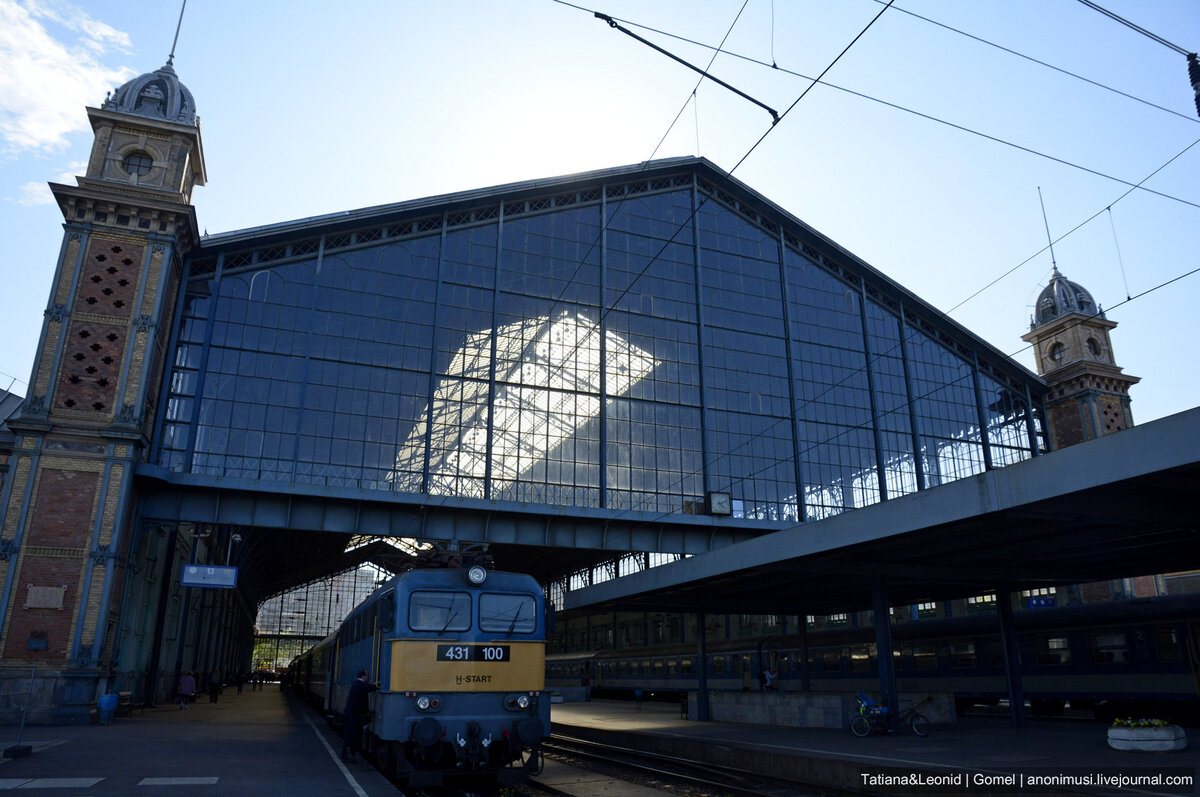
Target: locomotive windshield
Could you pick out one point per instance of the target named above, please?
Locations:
(510, 614)
(439, 611)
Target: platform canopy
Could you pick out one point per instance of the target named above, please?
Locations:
(1119, 506)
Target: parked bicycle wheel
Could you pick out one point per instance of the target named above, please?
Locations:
(920, 725)
(860, 726)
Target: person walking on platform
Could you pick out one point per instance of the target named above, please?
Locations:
(214, 685)
(187, 689)
(357, 706)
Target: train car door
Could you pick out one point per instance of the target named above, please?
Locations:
(385, 620)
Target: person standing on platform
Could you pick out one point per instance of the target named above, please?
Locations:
(214, 685)
(187, 689)
(357, 706)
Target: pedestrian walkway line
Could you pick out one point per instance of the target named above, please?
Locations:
(358, 790)
(48, 783)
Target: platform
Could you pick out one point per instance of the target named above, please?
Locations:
(255, 743)
(977, 756)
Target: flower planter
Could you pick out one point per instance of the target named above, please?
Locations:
(1169, 737)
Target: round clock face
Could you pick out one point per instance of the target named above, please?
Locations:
(1057, 352)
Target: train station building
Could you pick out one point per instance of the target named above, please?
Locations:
(652, 360)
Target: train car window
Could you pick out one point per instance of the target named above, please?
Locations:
(860, 658)
(507, 614)
(718, 665)
(673, 667)
(962, 655)
(685, 666)
(924, 657)
(658, 666)
(387, 611)
(439, 611)
(1166, 644)
(995, 651)
(1108, 647)
(1053, 651)
(645, 667)
(831, 660)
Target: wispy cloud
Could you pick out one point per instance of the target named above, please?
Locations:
(38, 193)
(46, 78)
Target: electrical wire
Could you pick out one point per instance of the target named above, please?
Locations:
(809, 401)
(1074, 229)
(1041, 63)
(876, 419)
(931, 117)
(1132, 26)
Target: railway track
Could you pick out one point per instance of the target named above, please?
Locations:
(679, 776)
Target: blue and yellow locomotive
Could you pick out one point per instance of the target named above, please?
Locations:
(459, 655)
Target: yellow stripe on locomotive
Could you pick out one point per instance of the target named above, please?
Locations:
(430, 665)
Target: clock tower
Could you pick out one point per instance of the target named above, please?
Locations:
(67, 508)
(1089, 395)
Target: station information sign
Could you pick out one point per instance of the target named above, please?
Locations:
(216, 576)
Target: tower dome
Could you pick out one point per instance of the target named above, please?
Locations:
(155, 95)
(1061, 297)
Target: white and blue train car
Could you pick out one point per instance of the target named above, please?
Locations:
(459, 657)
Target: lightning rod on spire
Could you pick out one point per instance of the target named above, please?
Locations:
(1053, 262)
(171, 57)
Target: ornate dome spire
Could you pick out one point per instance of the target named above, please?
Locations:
(155, 95)
(1061, 297)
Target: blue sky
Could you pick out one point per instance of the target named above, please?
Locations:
(307, 111)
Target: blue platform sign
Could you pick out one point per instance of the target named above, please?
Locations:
(209, 576)
(1042, 603)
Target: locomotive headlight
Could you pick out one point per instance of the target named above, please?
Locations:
(477, 574)
(423, 703)
(518, 702)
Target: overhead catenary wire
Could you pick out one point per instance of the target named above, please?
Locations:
(1075, 228)
(1117, 244)
(1125, 194)
(703, 72)
(1041, 63)
(1133, 26)
(814, 82)
(930, 117)
(878, 355)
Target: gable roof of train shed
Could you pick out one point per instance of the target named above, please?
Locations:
(266, 244)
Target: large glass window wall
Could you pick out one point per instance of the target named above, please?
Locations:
(631, 350)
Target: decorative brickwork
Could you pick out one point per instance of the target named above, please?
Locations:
(91, 367)
(108, 279)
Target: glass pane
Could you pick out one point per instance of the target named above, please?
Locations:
(439, 611)
(509, 614)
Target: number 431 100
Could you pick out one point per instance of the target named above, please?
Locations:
(473, 653)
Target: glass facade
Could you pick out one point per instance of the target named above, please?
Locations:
(630, 342)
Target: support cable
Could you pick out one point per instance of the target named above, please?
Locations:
(1117, 244)
(1193, 67)
(1133, 26)
(612, 23)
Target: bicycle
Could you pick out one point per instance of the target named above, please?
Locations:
(873, 718)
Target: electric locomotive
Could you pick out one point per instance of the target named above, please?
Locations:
(458, 651)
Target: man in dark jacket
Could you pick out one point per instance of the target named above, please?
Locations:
(355, 713)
